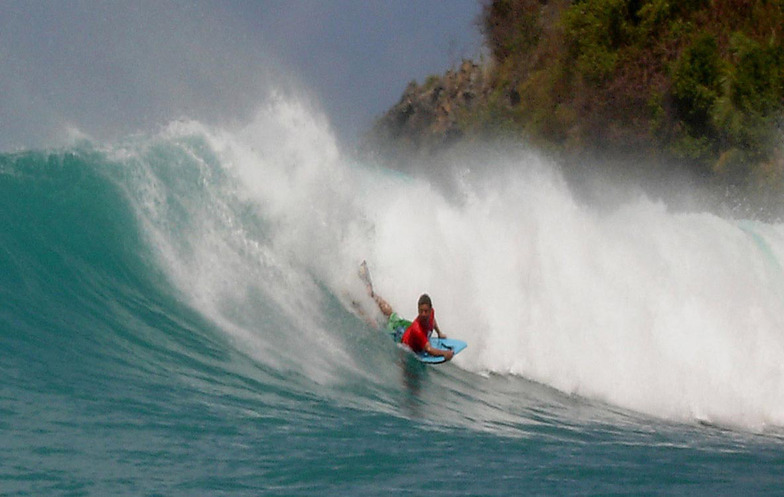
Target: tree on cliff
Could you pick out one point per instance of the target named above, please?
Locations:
(700, 82)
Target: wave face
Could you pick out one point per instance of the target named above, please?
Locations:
(194, 292)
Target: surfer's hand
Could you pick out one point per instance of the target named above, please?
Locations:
(448, 355)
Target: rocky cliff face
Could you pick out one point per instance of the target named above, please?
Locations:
(431, 116)
(642, 87)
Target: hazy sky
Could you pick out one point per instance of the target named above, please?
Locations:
(109, 68)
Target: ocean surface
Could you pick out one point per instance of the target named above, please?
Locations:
(180, 315)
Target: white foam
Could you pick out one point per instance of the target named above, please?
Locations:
(675, 315)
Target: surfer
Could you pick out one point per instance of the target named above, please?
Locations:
(415, 335)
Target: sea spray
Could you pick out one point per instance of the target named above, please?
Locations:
(248, 225)
(672, 314)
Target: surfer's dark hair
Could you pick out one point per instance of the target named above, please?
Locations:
(425, 299)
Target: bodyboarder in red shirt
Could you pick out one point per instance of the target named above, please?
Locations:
(417, 335)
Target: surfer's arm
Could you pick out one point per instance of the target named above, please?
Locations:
(447, 354)
(437, 329)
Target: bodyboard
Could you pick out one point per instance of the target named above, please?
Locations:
(442, 344)
(399, 327)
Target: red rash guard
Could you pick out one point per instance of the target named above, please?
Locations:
(416, 336)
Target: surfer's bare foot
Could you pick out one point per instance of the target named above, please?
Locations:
(364, 275)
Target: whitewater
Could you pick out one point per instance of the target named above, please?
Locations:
(182, 315)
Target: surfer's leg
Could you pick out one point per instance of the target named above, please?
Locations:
(361, 313)
(383, 305)
(364, 275)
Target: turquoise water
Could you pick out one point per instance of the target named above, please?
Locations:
(177, 319)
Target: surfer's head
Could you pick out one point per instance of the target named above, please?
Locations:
(425, 306)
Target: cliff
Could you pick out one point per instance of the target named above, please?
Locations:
(698, 83)
(433, 116)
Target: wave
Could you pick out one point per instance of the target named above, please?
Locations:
(198, 245)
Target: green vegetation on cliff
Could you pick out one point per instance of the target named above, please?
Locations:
(697, 82)
(693, 80)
